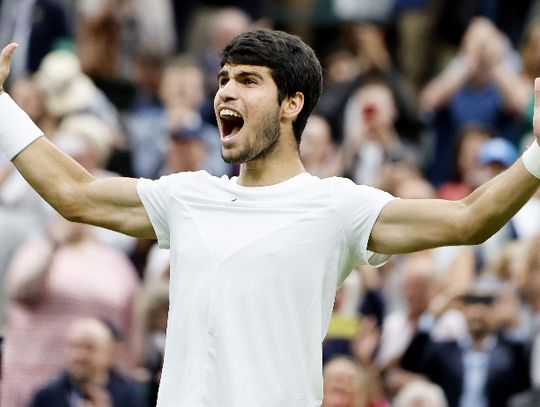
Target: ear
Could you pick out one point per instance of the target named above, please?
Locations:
(292, 105)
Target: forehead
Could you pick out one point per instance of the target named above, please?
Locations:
(232, 70)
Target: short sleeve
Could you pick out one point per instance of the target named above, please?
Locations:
(359, 207)
(156, 196)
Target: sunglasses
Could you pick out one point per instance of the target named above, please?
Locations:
(478, 299)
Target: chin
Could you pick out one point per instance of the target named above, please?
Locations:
(231, 158)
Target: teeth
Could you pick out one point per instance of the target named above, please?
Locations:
(228, 113)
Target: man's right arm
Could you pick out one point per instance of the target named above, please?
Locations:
(78, 196)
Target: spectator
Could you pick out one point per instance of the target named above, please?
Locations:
(510, 266)
(98, 38)
(342, 384)
(151, 312)
(69, 91)
(182, 93)
(31, 98)
(531, 70)
(50, 283)
(531, 308)
(464, 162)
(226, 23)
(417, 44)
(418, 291)
(15, 228)
(90, 378)
(479, 85)
(494, 157)
(38, 26)
(111, 31)
(372, 63)
(483, 369)
(317, 149)
(346, 384)
(371, 135)
(420, 394)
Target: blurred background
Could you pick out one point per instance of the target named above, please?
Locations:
(422, 98)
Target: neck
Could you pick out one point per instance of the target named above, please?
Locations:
(278, 166)
(100, 378)
(479, 343)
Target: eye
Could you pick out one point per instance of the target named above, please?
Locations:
(223, 81)
(250, 81)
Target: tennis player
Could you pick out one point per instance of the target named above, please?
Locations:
(256, 259)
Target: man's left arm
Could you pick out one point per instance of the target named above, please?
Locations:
(406, 225)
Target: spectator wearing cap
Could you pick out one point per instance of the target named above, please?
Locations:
(68, 90)
(494, 156)
(480, 157)
(89, 378)
(187, 150)
(485, 368)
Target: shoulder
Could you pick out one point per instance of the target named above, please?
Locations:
(170, 183)
(344, 190)
(51, 391)
(515, 343)
(124, 389)
(339, 184)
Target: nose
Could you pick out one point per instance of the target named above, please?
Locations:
(228, 91)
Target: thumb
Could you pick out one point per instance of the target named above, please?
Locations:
(5, 61)
(8, 51)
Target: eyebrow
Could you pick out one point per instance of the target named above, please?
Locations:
(224, 73)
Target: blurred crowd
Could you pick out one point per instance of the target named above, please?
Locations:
(422, 98)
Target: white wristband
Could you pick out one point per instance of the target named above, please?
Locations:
(531, 159)
(17, 130)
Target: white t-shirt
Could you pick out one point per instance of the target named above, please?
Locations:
(254, 272)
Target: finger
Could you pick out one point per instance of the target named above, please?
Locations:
(7, 53)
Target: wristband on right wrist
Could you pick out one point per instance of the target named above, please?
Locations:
(531, 159)
(17, 130)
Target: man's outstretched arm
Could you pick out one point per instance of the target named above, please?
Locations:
(76, 194)
(407, 225)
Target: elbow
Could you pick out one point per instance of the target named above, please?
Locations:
(473, 231)
(68, 204)
(470, 230)
(475, 237)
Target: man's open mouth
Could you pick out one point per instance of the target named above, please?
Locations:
(231, 122)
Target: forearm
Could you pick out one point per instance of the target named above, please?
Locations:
(407, 225)
(443, 87)
(493, 204)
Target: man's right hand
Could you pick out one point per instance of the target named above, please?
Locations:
(5, 61)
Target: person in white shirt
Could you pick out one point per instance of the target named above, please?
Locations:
(256, 259)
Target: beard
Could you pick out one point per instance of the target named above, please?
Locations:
(265, 142)
(478, 328)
